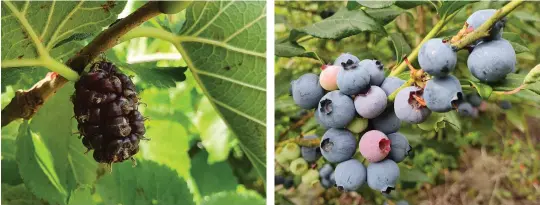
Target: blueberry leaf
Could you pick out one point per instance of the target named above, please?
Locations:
(353, 5)
(292, 49)
(449, 7)
(518, 48)
(386, 15)
(410, 4)
(483, 90)
(533, 76)
(146, 183)
(376, 4)
(341, 25)
(511, 82)
(452, 119)
(413, 175)
(433, 122)
(224, 45)
(400, 45)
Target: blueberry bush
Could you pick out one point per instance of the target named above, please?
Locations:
(115, 102)
(421, 102)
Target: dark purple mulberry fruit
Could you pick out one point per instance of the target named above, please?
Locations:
(105, 106)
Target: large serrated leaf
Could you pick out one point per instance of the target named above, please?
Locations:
(236, 198)
(400, 45)
(168, 145)
(212, 178)
(19, 195)
(449, 7)
(224, 44)
(146, 183)
(51, 158)
(343, 24)
(57, 24)
(215, 136)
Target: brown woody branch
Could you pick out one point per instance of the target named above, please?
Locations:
(27, 102)
(296, 125)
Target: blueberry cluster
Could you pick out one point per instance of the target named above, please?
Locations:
(350, 98)
(295, 159)
(492, 57)
(105, 104)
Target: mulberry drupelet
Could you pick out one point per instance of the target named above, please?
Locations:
(105, 105)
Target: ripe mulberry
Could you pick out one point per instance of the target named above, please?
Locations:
(105, 105)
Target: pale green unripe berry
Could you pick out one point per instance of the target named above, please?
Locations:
(298, 166)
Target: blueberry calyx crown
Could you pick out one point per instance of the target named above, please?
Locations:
(380, 66)
(349, 65)
(326, 145)
(326, 106)
(388, 189)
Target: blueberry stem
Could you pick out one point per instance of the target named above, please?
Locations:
(483, 30)
(392, 96)
(302, 142)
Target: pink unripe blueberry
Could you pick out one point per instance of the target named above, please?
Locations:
(374, 146)
(328, 77)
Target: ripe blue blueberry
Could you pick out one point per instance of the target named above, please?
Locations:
(391, 84)
(333, 178)
(336, 110)
(479, 17)
(491, 61)
(358, 125)
(442, 93)
(400, 147)
(474, 99)
(311, 154)
(350, 175)
(298, 167)
(344, 57)
(289, 182)
(325, 171)
(466, 109)
(279, 180)
(505, 105)
(407, 108)
(326, 183)
(375, 69)
(307, 91)
(387, 122)
(352, 79)
(372, 103)
(437, 57)
(382, 176)
(338, 145)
